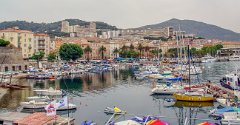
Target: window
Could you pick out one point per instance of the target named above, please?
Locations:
(20, 67)
(6, 69)
(26, 67)
(13, 68)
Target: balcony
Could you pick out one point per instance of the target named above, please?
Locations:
(41, 47)
(41, 39)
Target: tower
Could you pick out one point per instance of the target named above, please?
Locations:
(65, 26)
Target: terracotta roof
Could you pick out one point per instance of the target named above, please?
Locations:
(40, 34)
(16, 30)
(231, 43)
(38, 118)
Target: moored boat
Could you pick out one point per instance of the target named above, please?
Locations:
(49, 91)
(194, 97)
(109, 110)
(167, 90)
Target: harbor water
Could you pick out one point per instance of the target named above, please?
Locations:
(92, 93)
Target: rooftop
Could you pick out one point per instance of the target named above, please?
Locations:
(16, 30)
(40, 34)
(38, 118)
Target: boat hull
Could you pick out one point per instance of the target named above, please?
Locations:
(160, 91)
(193, 98)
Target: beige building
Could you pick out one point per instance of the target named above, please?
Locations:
(19, 38)
(43, 43)
(28, 41)
(79, 31)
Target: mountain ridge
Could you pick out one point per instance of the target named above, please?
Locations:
(201, 29)
(53, 28)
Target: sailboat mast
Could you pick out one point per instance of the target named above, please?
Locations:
(189, 65)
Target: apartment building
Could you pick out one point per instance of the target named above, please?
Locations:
(27, 41)
(22, 39)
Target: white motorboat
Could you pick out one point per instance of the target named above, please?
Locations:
(208, 59)
(39, 98)
(41, 105)
(49, 91)
(69, 107)
(167, 90)
(234, 58)
(231, 118)
(33, 105)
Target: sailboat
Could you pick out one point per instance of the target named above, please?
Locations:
(199, 96)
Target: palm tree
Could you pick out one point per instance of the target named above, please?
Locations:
(140, 48)
(124, 48)
(88, 50)
(124, 51)
(147, 48)
(116, 51)
(131, 47)
(102, 49)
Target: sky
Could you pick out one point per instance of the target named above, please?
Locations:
(124, 13)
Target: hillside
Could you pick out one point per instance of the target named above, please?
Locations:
(199, 28)
(50, 28)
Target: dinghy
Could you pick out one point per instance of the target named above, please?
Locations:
(109, 110)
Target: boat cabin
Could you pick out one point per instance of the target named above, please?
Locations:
(231, 81)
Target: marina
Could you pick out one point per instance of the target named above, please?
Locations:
(90, 93)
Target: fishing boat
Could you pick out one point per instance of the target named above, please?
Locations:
(109, 110)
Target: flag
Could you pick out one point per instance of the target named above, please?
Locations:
(62, 102)
(51, 108)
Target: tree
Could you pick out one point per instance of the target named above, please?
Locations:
(52, 56)
(70, 51)
(102, 49)
(88, 50)
(131, 47)
(123, 51)
(116, 51)
(124, 48)
(38, 55)
(4, 43)
(193, 51)
(147, 48)
(140, 48)
(219, 46)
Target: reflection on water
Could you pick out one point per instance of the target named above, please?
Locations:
(92, 93)
(182, 109)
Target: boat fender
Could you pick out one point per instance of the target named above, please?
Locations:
(199, 98)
